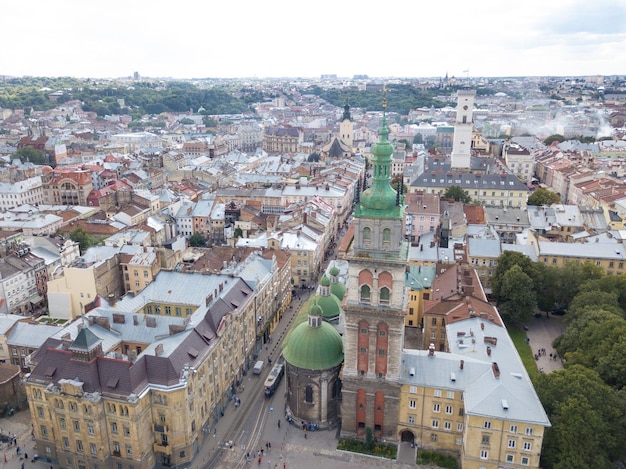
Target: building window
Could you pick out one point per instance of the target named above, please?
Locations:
(435, 423)
(485, 440)
(413, 389)
(178, 311)
(411, 419)
(79, 446)
(436, 407)
(447, 425)
(62, 424)
(513, 429)
(90, 428)
(364, 331)
(129, 450)
(384, 296)
(437, 393)
(40, 412)
(365, 294)
(308, 394)
(512, 443)
(528, 446)
(44, 431)
(525, 461)
(529, 430)
(487, 424)
(510, 458)
(66, 443)
(412, 404)
(449, 409)
(484, 454)
(92, 448)
(114, 427)
(126, 431)
(450, 393)
(459, 427)
(76, 425)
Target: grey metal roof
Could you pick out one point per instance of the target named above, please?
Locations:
(30, 335)
(477, 247)
(483, 391)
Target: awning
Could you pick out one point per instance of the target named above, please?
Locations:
(35, 299)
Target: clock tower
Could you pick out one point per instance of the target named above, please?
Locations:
(463, 126)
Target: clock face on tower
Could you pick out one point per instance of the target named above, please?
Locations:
(465, 107)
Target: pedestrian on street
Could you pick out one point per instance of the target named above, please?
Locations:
(279, 424)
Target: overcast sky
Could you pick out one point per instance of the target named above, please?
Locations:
(279, 38)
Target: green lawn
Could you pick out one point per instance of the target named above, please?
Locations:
(525, 352)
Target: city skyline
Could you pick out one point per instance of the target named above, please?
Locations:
(250, 39)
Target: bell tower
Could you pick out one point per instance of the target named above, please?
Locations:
(375, 303)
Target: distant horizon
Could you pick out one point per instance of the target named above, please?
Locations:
(314, 77)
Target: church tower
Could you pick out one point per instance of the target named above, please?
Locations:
(462, 144)
(346, 127)
(375, 303)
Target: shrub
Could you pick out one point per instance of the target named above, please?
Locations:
(376, 449)
(437, 459)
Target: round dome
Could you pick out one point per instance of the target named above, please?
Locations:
(334, 271)
(314, 348)
(325, 281)
(330, 305)
(338, 289)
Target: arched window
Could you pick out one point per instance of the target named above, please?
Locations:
(384, 296)
(308, 394)
(386, 237)
(367, 235)
(365, 294)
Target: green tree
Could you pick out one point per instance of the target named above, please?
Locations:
(517, 296)
(542, 196)
(418, 139)
(84, 239)
(197, 240)
(457, 193)
(30, 154)
(553, 138)
(505, 262)
(587, 416)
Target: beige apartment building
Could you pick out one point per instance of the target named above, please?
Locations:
(138, 385)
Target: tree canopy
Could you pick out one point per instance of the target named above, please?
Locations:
(517, 296)
(32, 155)
(542, 196)
(588, 420)
(458, 194)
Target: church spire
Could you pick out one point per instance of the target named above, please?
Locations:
(380, 196)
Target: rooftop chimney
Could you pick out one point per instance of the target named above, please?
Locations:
(431, 350)
(496, 369)
(461, 364)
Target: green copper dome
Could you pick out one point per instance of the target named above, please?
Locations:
(314, 347)
(338, 289)
(330, 304)
(334, 271)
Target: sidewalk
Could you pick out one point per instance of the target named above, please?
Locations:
(541, 333)
(20, 425)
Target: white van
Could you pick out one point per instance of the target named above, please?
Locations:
(258, 367)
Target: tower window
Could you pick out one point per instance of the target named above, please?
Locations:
(365, 294)
(384, 296)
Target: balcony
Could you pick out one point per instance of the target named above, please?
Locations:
(162, 448)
